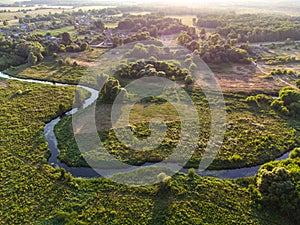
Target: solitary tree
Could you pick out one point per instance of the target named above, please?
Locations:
(32, 59)
(66, 38)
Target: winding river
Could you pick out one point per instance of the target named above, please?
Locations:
(91, 173)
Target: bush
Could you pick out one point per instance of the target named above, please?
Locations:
(251, 100)
(277, 104)
(32, 59)
(295, 153)
(68, 61)
(262, 98)
(189, 80)
(164, 182)
(298, 83)
(60, 62)
(84, 46)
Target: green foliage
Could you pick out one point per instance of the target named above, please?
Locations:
(288, 102)
(32, 59)
(150, 68)
(278, 189)
(281, 60)
(295, 153)
(84, 46)
(25, 108)
(34, 47)
(8, 60)
(154, 23)
(282, 71)
(252, 137)
(259, 100)
(298, 83)
(62, 70)
(251, 27)
(66, 38)
(33, 192)
(110, 91)
(189, 79)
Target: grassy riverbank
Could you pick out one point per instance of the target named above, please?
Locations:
(32, 192)
(254, 135)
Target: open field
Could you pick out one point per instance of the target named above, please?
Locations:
(139, 13)
(10, 15)
(186, 20)
(287, 50)
(50, 71)
(111, 25)
(244, 77)
(56, 32)
(86, 8)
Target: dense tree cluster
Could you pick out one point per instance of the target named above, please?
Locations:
(288, 102)
(151, 68)
(110, 90)
(278, 190)
(215, 49)
(278, 184)
(154, 24)
(252, 27)
(8, 57)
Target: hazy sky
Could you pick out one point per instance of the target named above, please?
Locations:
(206, 2)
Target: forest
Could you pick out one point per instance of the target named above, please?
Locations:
(252, 27)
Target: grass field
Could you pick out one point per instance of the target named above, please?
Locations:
(33, 192)
(139, 13)
(10, 15)
(49, 70)
(86, 8)
(289, 50)
(111, 25)
(56, 32)
(186, 20)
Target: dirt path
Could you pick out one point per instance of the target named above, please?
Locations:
(279, 78)
(287, 83)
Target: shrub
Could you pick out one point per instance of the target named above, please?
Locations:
(84, 46)
(189, 80)
(277, 104)
(68, 61)
(32, 59)
(298, 83)
(60, 62)
(262, 98)
(164, 182)
(191, 172)
(251, 100)
(295, 153)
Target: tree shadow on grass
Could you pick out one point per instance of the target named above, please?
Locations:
(162, 202)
